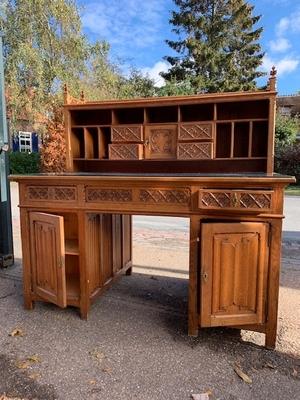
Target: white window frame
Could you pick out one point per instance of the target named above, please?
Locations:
(25, 142)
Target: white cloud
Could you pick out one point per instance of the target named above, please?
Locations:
(290, 23)
(280, 45)
(133, 23)
(284, 66)
(153, 72)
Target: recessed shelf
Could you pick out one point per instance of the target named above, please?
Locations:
(243, 110)
(71, 247)
(197, 112)
(161, 114)
(91, 117)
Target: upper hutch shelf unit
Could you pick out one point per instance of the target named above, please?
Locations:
(208, 133)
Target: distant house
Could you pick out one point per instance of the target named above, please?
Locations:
(25, 142)
(289, 105)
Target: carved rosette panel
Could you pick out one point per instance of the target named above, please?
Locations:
(53, 193)
(215, 200)
(125, 151)
(194, 151)
(255, 200)
(175, 196)
(195, 131)
(161, 141)
(259, 201)
(107, 195)
(127, 134)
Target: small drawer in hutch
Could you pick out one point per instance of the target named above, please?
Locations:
(241, 200)
(126, 151)
(195, 131)
(195, 151)
(127, 134)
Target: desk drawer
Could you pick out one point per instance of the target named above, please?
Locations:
(51, 193)
(241, 200)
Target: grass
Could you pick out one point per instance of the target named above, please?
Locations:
(293, 190)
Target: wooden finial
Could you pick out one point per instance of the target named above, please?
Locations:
(272, 79)
(82, 96)
(66, 94)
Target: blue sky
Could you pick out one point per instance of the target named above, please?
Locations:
(136, 30)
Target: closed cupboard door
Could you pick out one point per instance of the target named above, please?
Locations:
(48, 257)
(160, 142)
(234, 261)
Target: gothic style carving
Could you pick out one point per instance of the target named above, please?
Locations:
(125, 151)
(215, 199)
(198, 151)
(127, 134)
(235, 200)
(112, 195)
(195, 131)
(176, 196)
(160, 142)
(255, 200)
(58, 193)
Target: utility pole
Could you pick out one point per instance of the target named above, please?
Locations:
(6, 241)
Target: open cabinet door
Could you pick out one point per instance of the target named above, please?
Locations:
(234, 262)
(48, 257)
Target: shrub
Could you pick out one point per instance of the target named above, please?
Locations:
(286, 129)
(24, 163)
(287, 160)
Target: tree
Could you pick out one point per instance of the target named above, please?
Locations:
(218, 47)
(286, 129)
(43, 47)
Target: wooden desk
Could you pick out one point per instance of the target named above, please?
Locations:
(76, 240)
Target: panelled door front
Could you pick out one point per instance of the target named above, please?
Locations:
(160, 141)
(48, 257)
(234, 261)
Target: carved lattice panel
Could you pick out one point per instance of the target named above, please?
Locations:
(127, 134)
(125, 151)
(236, 200)
(194, 151)
(112, 195)
(53, 193)
(255, 200)
(176, 196)
(195, 131)
(215, 200)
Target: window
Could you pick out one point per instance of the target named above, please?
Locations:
(25, 142)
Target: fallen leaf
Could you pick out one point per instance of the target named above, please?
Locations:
(201, 396)
(97, 354)
(22, 364)
(92, 382)
(34, 376)
(269, 365)
(34, 358)
(295, 372)
(17, 332)
(242, 374)
(107, 370)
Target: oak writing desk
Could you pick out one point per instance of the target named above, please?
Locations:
(208, 158)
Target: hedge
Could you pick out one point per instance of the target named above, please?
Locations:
(287, 160)
(24, 163)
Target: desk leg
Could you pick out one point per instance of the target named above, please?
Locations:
(193, 277)
(25, 234)
(83, 267)
(273, 284)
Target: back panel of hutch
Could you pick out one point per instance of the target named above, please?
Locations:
(206, 157)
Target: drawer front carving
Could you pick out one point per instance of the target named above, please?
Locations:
(53, 193)
(194, 151)
(195, 131)
(125, 151)
(127, 134)
(235, 200)
(176, 196)
(93, 194)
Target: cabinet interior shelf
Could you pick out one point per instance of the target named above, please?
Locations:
(71, 247)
